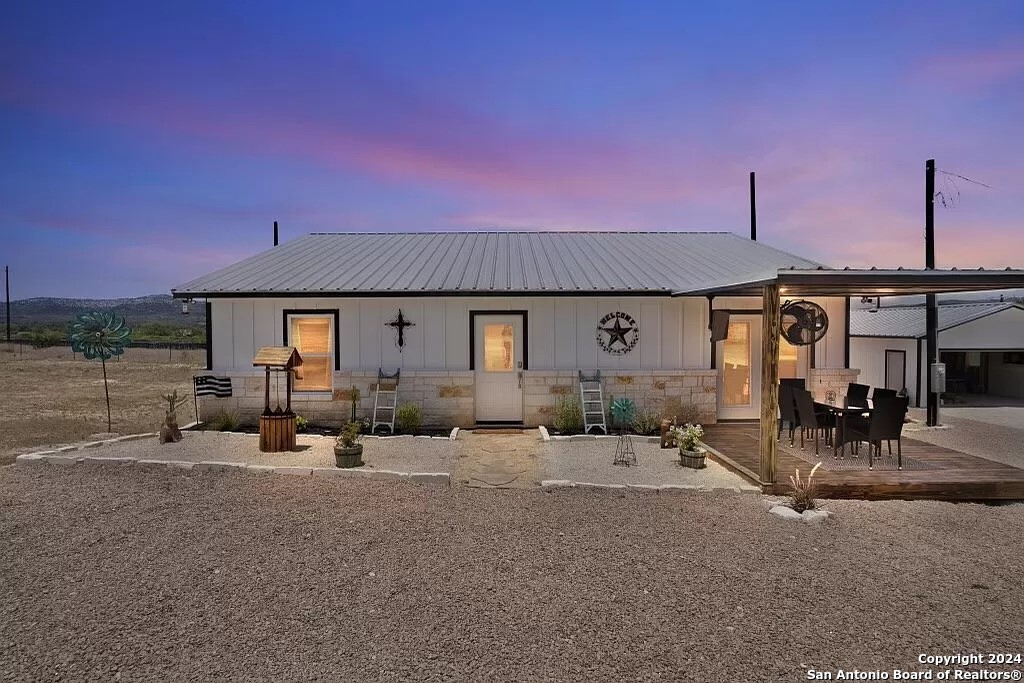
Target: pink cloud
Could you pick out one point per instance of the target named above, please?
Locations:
(976, 69)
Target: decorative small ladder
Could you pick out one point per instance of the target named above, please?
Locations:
(592, 402)
(388, 405)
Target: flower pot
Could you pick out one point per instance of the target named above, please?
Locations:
(348, 456)
(692, 459)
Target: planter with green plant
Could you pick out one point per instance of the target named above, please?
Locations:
(691, 454)
(348, 452)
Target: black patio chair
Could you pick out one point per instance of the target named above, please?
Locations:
(885, 424)
(891, 393)
(813, 418)
(857, 394)
(787, 410)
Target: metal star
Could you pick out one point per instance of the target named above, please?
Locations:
(617, 333)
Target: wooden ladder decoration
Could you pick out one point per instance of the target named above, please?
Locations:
(385, 401)
(592, 402)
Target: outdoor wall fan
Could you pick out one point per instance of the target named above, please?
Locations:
(803, 322)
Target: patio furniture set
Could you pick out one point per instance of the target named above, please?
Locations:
(852, 419)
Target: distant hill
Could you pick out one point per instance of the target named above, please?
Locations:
(156, 308)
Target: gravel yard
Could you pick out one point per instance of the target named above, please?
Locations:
(993, 433)
(121, 572)
(402, 454)
(591, 461)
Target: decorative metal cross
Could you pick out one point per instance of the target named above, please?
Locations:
(400, 323)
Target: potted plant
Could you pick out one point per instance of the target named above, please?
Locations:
(348, 452)
(690, 452)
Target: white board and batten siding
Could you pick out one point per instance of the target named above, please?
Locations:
(562, 331)
(868, 354)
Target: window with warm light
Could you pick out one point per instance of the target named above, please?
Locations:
(313, 336)
(736, 365)
(499, 347)
(788, 359)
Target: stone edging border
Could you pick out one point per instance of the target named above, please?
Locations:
(546, 436)
(62, 458)
(553, 484)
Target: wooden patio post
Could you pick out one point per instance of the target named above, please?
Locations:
(770, 383)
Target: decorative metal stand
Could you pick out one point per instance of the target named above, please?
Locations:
(624, 453)
(623, 411)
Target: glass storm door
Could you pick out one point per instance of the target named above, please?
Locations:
(498, 360)
(739, 369)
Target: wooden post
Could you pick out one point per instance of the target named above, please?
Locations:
(266, 394)
(770, 383)
(288, 390)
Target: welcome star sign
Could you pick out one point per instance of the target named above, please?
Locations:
(618, 333)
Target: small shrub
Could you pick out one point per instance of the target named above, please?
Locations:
(646, 422)
(679, 412)
(224, 421)
(804, 491)
(350, 435)
(408, 418)
(301, 423)
(568, 417)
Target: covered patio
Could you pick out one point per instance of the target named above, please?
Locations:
(753, 449)
(930, 471)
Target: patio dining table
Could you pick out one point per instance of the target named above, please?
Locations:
(841, 411)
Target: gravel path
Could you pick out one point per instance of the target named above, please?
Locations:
(161, 575)
(402, 454)
(591, 461)
(986, 439)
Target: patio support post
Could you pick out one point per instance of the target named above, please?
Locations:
(772, 325)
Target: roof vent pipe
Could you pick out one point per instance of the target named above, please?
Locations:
(753, 211)
(275, 233)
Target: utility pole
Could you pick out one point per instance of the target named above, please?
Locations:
(931, 307)
(7, 291)
(753, 211)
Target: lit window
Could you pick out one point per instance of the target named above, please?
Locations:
(313, 336)
(736, 371)
(498, 349)
(787, 358)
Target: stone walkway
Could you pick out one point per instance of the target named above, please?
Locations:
(505, 460)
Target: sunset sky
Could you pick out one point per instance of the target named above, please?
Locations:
(144, 144)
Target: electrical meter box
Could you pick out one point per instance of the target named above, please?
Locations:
(938, 376)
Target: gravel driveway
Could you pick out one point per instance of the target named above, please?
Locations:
(162, 575)
(988, 432)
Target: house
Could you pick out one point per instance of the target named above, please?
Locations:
(493, 327)
(982, 345)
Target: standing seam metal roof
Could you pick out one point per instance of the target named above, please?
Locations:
(496, 262)
(909, 321)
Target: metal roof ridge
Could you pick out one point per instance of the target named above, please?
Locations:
(538, 231)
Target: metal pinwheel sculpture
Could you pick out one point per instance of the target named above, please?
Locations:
(102, 335)
(623, 411)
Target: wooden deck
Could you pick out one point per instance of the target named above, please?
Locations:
(953, 476)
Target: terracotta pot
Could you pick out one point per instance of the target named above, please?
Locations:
(693, 459)
(348, 456)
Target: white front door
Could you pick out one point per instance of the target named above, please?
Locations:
(498, 361)
(739, 369)
(895, 369)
